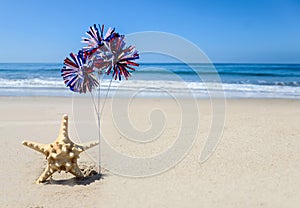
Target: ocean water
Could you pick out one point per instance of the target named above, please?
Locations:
(163, 80)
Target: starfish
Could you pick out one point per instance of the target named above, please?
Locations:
(62, 154)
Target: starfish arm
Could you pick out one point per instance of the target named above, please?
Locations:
(76, 171)
(82, 147)
(63, 132)
(46, 174)
(42, 148)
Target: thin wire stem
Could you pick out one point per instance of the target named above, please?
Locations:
(99, 122)
(105, 97)
(99, 138)
(99, 114)
(99, 128)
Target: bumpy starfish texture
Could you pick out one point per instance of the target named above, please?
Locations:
(62, 154)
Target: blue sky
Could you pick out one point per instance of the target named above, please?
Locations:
(227, 31)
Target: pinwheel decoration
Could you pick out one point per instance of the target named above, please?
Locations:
(77, 75)
(105, 53)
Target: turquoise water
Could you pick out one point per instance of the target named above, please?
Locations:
(153, 80)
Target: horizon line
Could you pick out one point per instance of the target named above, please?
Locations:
(292, 63)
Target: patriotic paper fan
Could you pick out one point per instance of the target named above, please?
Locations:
(77, 75)
(96, 38)
(101, 61)
(122, 58)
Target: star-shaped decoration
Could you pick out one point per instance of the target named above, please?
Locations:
(62, 154)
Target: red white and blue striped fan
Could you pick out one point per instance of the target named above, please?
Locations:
(77, 76)
(101, 62)
(123, 57)
(96, 38)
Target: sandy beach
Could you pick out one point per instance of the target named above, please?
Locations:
(256, 164)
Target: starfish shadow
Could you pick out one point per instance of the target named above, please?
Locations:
(75, 181)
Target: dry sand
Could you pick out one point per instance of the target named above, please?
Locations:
(256, 164)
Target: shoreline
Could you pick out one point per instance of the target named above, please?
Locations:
(87, 96)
